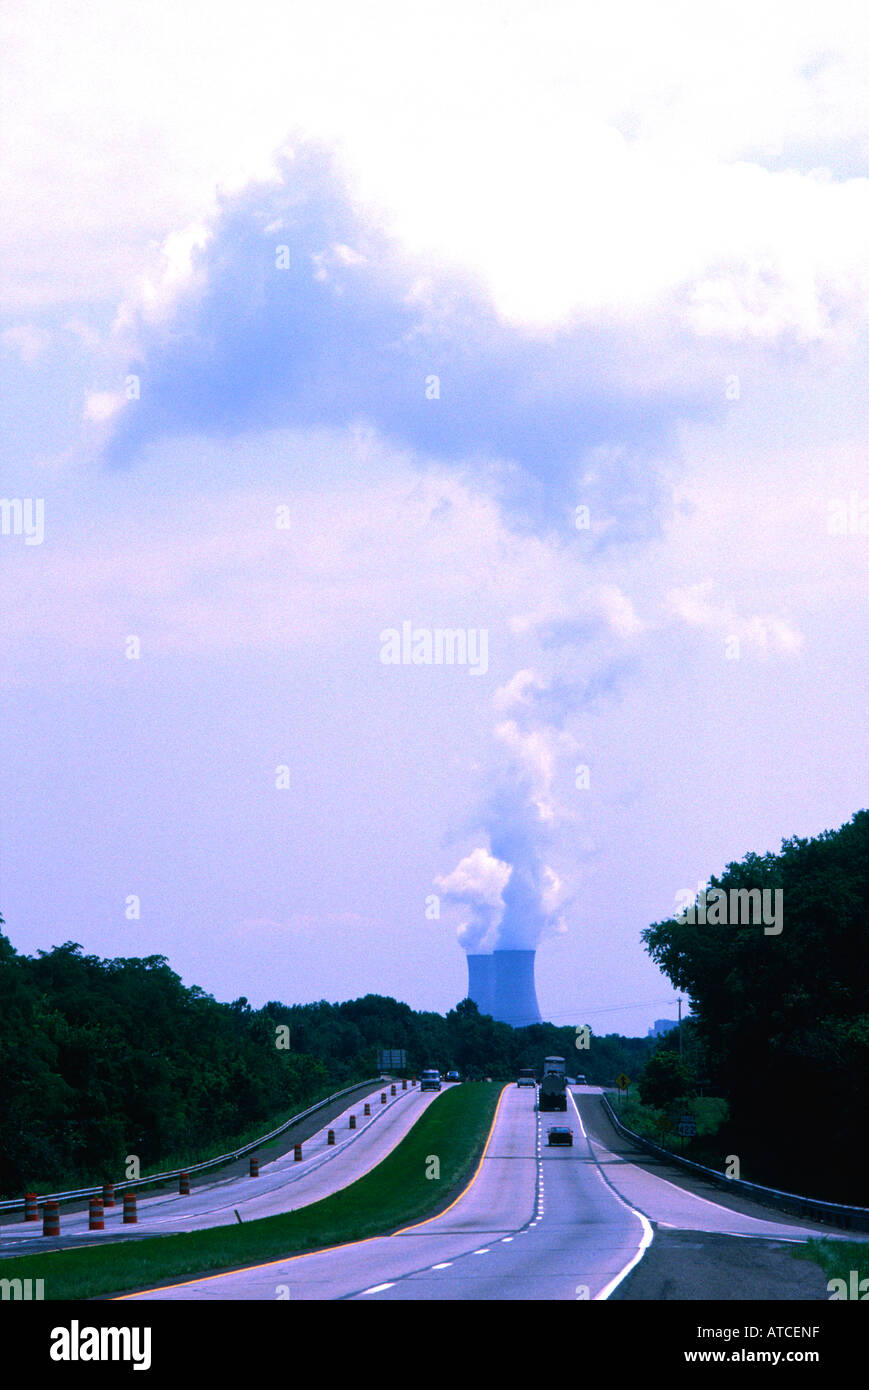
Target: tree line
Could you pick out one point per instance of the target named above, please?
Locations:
(102, 1059)
(781, 1019)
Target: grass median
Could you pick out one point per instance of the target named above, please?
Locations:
(399, 1190)
(846, 1260)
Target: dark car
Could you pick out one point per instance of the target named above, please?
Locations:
(560, 1134)
(452, 1076)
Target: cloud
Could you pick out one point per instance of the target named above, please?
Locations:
(476, 885)
(28, 340)
(767, 633)
(297, 309)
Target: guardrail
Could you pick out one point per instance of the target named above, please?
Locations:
(12, 1204)
(850, 1218)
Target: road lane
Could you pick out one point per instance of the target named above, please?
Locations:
(535, 1223)
(667, 1203)
(282, 1185)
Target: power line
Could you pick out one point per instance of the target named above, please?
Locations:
(614, 1008)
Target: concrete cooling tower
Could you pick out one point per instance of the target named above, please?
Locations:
(515, 994)
(481, 982)
(502, 984)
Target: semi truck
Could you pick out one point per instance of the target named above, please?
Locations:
(553, 1087)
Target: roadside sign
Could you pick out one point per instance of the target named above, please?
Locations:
(392, 1059)
(623, 1082)
(688, 1126)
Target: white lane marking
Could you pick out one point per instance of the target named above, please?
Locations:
(376, 1289)
(685, 1192)
(445, 1265)
(482, 1252)
(648, 1233)
(505, 1240)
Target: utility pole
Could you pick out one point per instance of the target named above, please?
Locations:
(679, 1002)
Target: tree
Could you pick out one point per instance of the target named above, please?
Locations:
(664, 1079)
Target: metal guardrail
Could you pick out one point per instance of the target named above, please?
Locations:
(12, 1204)
(850, 1218)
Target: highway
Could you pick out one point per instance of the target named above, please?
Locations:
(283, 1184)
(535, 1223)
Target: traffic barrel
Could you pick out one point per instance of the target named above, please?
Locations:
(330, 1137)
(404, 1084)
(366, 1109)
(352, 1122)
(130, 1216)
(108, 1194)
(51, 1219)
(183, 1184)
(297, 1154)
(254, 1166)
(394, 1092)
(31, 1206)
(382, 1097)
(95, 1215)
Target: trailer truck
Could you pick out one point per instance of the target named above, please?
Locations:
(553, 1087)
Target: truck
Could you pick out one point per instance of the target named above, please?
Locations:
(430, 1080)
(553, 1087)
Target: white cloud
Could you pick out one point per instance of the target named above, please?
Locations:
(591, 162)
(28, 340)
(479, 877)
(101, 406)
(517, 691)
(620, 612)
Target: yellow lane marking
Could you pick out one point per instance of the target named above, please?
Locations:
(327, 1250)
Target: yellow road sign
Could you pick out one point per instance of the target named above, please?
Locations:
(623, 1082)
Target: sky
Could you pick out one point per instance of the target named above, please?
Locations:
(434, 465)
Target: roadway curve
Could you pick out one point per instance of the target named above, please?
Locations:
(283, 1185)
(535, 1223)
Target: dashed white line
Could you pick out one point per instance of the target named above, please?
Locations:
(446, 1265)
(482, 1252)
(377, 1288)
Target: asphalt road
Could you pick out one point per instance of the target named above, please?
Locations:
(535, 1223)
(283, 1184)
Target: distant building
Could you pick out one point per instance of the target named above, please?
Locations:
(662, 1026)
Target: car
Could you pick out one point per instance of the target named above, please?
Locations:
(430, 1081)
(527, 1077)
(560, 1134)
(452, 1076)
(580, 1081)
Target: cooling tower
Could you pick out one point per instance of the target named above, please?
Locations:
(481, 982)
(515, 999)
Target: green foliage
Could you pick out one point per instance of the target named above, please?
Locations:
(664, 1079)
(101, 1059)
(782, 1021)
(395, 1193)
(105, 1058)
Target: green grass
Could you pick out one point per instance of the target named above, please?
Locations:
(837, 1259)
(710, 1114)
(453, 1129)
